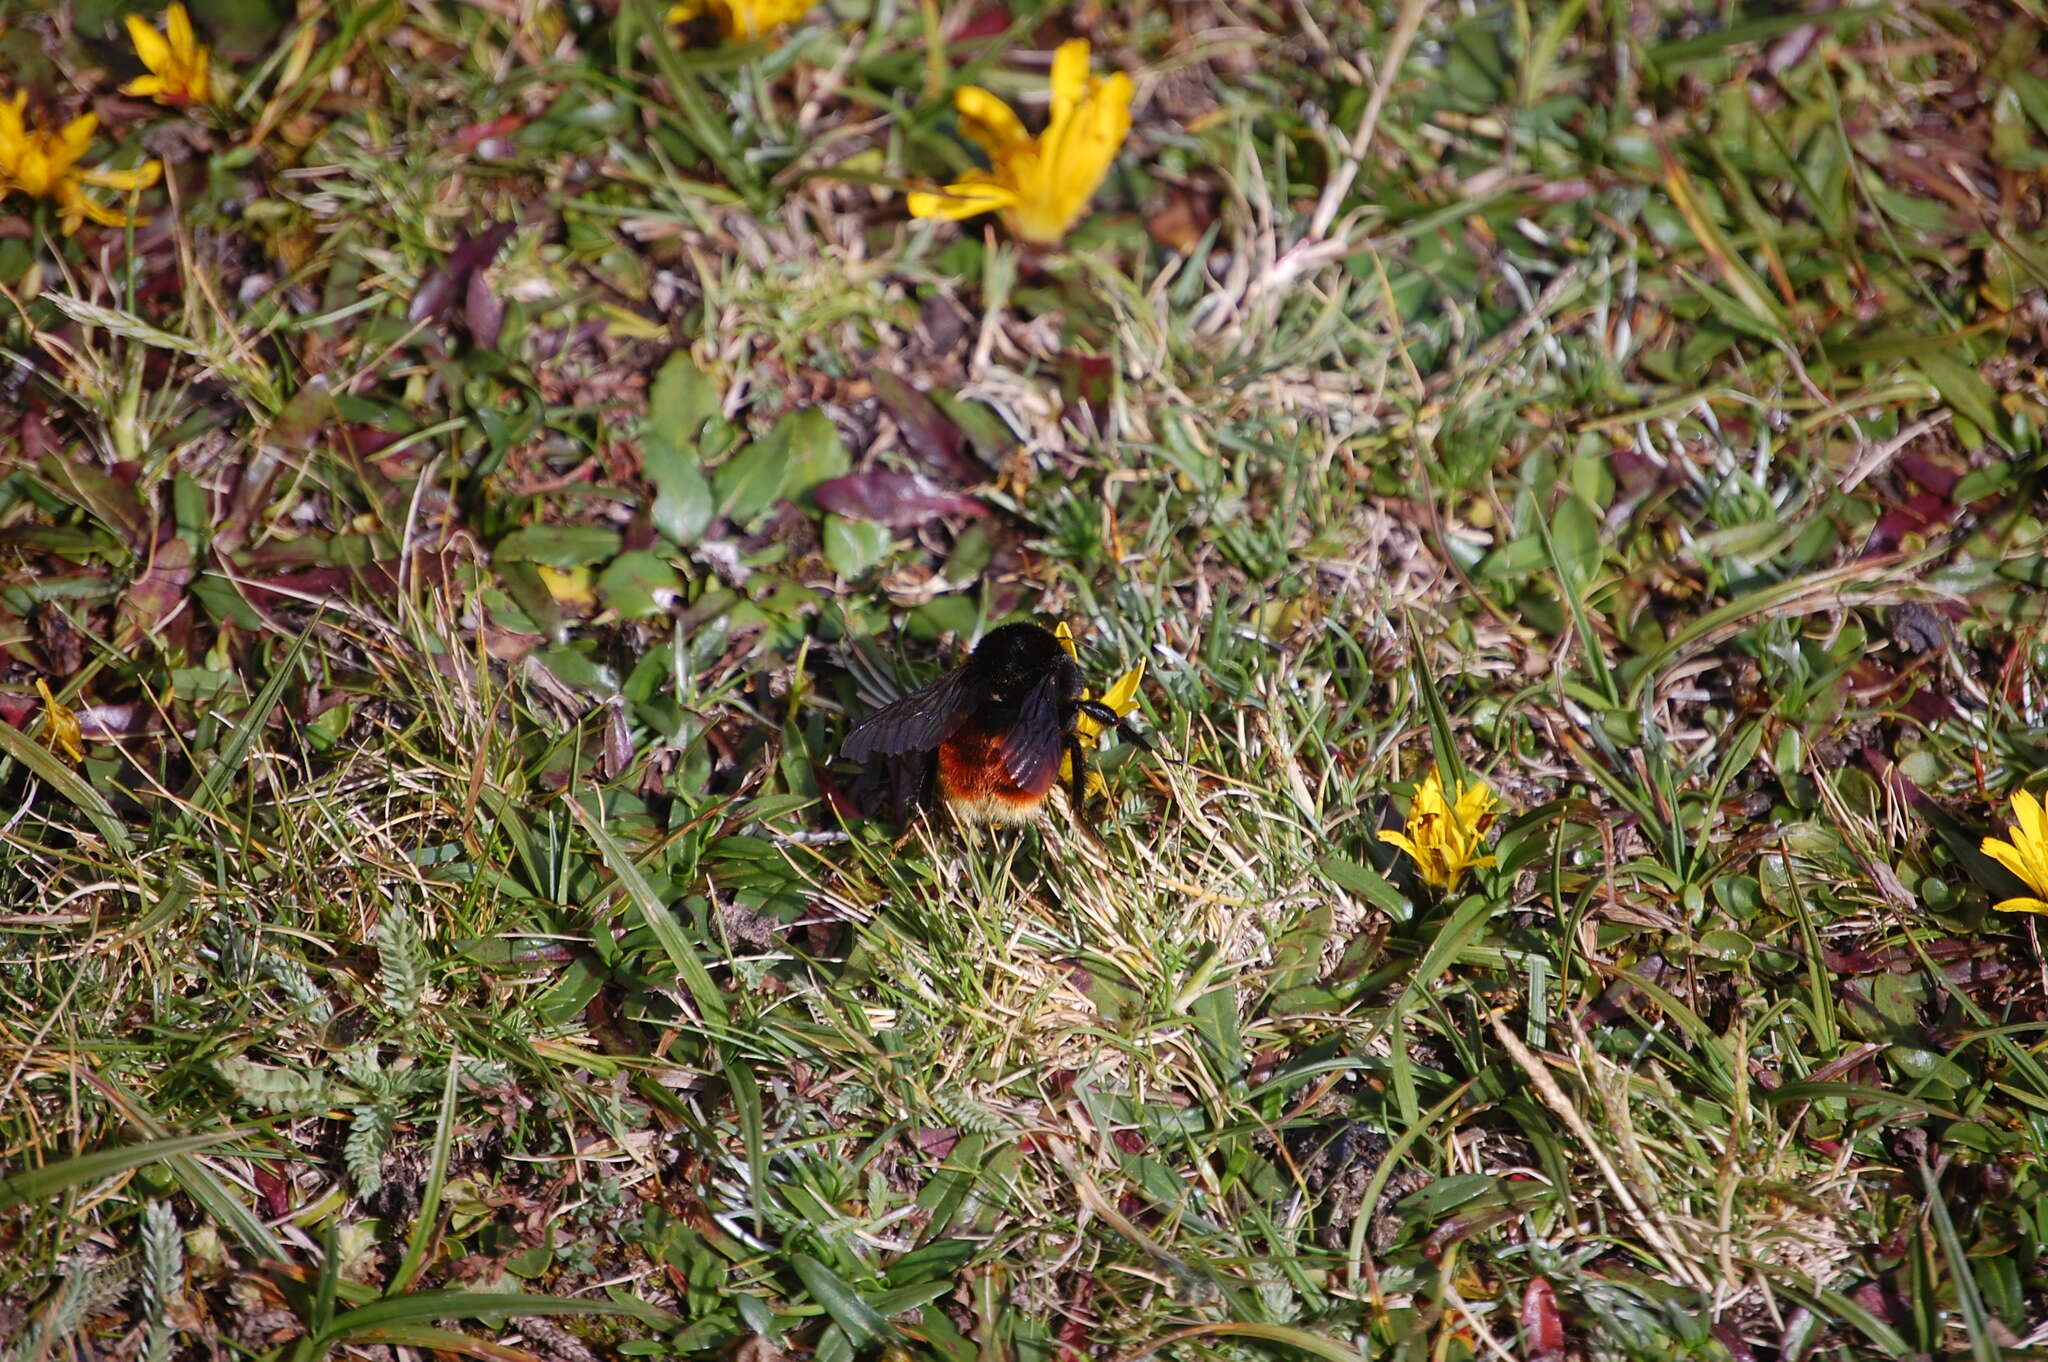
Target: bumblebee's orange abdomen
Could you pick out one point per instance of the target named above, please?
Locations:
(977, 786)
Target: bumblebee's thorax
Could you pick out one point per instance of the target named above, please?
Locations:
(1012, 660)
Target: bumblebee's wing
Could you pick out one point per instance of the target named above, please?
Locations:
(1032, 747)
(918, 722)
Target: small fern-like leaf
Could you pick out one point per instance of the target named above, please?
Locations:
(306, 997)
(401, 964)
(163, 1276)
(368, 1137)
(969, 1113)
(269, 1087)
(62, 1315)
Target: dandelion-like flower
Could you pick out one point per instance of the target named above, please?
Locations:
(1442, 837)
(1040, 184)
(2026, 855)
(1121, 697)
(61, 729)
(176, 60)
(741, 20)
(43, 164)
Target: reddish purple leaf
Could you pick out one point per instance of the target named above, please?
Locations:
(1738, 1350)
(1087, 380)
(1542, 1326)
(928, 433)
(482, 312)
(900, 501)
(157, 594)
(473, 135)
(438, 290)
(109, 496)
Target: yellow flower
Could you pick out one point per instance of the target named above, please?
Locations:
(1443, 838)
(1121, 697)
(60, 725)
(741, 20)
(2026, 855)
(1039, 185)
(44, 165)
(177, 63)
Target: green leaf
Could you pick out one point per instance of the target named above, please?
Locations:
(682, 402)
(750, 481)
(42, 1184)
(224, 764)
(424, 1307)
(559, 546)
(854, 546)
(696, 978)
(683, 505)
(1963, 388)
(813, 449)
(1575, 531)
(50, 768)
(1365, 882)
(639, 584)
(841, 1302)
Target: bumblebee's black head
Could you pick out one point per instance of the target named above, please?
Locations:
(1009, 661)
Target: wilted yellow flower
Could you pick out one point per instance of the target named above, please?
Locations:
(44, 165)
(60, 725)
(741, 20)
(177, 63)
(2026, 855)
(1039, 184)
(1443, 838)
(1121, 697)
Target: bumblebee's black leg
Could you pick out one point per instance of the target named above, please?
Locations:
(1109, 718)
(1077, 783)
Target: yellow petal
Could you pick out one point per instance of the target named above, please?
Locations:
(1123, 696)
(178, 28)
(2026, 813)
(1069, 78)
(77, 136)
(1081, 149)
(1400, 839)
(60, 724)
(2031, 838)
(143, 86)
(962, 199)
(988, 122)
(97, 211)
(747, 19)
(1476, 803)
(2013, 859)
(150, 46)
(142, 177)
(72, 206)
(13, 132)
(2021, 906)
(684, 11)
(31, 171)
(1066, 638)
